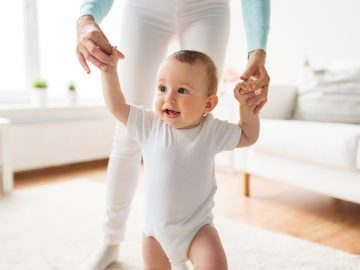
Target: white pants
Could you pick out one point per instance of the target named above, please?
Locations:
(148, 26)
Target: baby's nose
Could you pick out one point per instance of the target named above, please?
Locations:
(170, 97)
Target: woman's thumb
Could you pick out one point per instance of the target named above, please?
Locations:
(246, 74)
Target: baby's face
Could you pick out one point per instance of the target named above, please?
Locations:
(182, 96)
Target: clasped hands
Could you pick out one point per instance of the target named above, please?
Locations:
(94, 47)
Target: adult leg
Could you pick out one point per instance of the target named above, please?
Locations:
(206, 251)
(144, 47)
(204, 26)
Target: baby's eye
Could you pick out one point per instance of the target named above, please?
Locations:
(162, 88)
(183, 91)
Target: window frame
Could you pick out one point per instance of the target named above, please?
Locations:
(31, 59)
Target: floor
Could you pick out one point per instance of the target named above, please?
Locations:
(272, 205)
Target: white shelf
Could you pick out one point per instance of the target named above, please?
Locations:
(55, 112)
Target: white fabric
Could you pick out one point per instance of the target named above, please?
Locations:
(321, 105)
(6, 167)
(329, 95)
(145, 32)
(179, 176)
(30, 226)
(310, 77)
(281, 102)
(331, 181)
(330, 144)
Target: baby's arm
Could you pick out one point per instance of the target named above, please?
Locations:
(249, 120)
(113, 96)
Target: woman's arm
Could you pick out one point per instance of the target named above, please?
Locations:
(98, 9)
(256, 15)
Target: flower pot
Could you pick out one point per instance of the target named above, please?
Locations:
(72, 97)
(38, 97)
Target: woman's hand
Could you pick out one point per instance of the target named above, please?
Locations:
(92, 45)
(256, 70)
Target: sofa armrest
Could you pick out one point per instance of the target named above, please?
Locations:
(358, 153)
(281, 102)
(6, 172)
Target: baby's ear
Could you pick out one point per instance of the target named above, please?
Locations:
(211, 103)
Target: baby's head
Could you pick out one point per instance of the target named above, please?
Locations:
(187, 85)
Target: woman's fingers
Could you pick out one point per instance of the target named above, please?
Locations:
(262, 79)
(94, 51)
(252, 100)
(259, 106)
(89, 57)
(256, 99)
(82, 61)
(263, 97)
(92, 46)
(261, 85)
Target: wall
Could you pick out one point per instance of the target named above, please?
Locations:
(322, 30)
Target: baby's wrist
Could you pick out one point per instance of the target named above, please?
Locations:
(110, 70)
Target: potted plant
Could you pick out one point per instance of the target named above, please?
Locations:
(72, 94)
(38, 93)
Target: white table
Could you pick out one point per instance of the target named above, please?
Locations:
(6, 172)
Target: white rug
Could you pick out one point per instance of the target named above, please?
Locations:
(58, 226)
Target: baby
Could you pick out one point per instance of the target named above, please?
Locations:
(179, 141)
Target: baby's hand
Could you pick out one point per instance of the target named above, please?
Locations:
(244, 90)
(115, 56)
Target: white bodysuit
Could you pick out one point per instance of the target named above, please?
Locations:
(179, 176)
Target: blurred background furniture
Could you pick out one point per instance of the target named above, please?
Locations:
(42, 137)
(6, 172)
(315, 155)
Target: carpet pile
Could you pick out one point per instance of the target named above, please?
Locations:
(58, 226)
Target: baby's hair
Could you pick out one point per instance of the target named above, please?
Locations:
(190, 57)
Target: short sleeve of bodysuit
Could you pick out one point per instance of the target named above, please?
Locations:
(225, 135)
(140, 123)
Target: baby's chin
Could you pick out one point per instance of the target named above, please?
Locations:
(174, 122)
(181, 126)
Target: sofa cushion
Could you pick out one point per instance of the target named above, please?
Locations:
(281, 102)
(335, 103)
(328, 144)
(329, 95)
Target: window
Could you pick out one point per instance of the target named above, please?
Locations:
(57, 43)
(12, 68)
(41, 43)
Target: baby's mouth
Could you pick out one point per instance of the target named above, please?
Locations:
(171, 113)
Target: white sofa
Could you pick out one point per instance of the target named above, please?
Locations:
(319, 156)
(6, 175)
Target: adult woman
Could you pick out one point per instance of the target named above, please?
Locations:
(147, 28)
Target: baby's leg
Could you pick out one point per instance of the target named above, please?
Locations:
(206, 251)
(154, 256)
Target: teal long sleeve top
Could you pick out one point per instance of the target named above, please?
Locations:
(256, 15)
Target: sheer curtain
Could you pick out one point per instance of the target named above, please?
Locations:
(13, 67)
